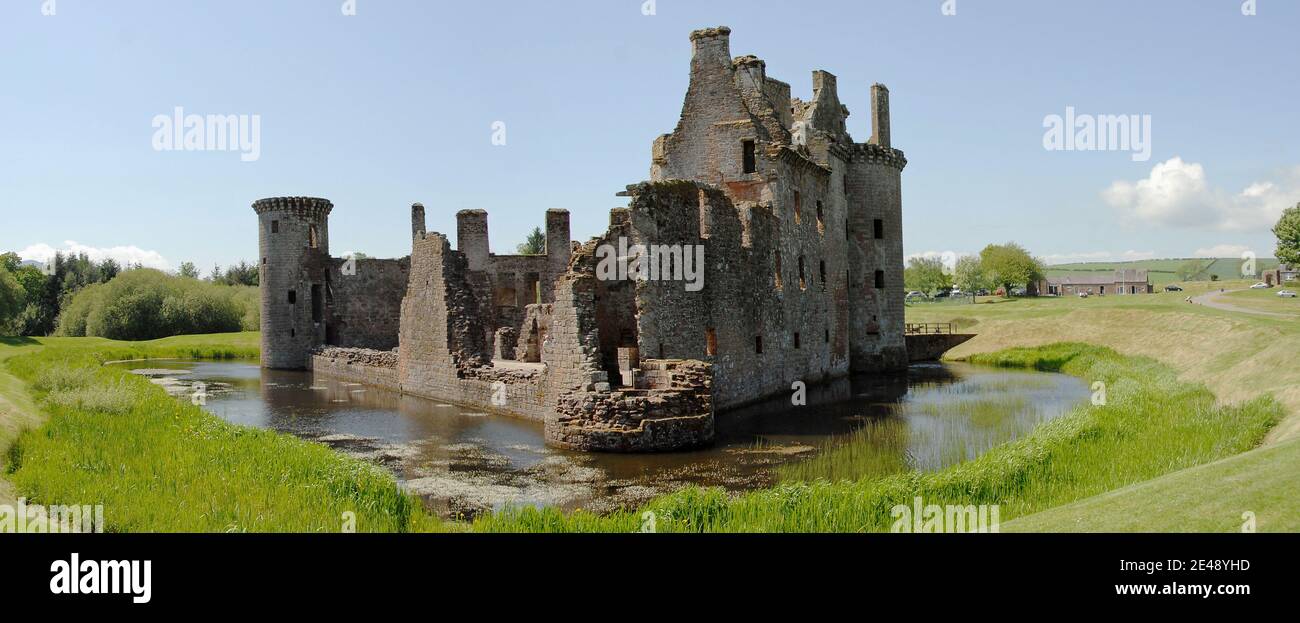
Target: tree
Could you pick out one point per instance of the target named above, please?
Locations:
(1010, 265)
(12, 301)
(1288, 236)
(188, 270)
(535, 244)
(1189, 270)
(926, 274)
(969, 275)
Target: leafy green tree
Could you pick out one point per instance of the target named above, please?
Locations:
(926, 275)
(12, 301)
(1010, 265)
(969, 275)
(1288, 236)
(1189, 270)
(534, 244)
(188, 270)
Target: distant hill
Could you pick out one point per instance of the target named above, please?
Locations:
(1166, 270)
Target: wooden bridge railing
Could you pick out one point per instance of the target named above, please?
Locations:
(928, 328)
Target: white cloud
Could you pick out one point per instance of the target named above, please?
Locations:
(125, 256)
(1223, 250)
(1098, 256)
(1178, 193)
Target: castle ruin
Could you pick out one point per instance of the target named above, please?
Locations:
(801, 231)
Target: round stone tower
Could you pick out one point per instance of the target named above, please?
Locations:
(293, 237)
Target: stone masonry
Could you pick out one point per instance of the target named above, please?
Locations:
(801, 237)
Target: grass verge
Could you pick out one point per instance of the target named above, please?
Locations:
(159, 464)
(1151, 424)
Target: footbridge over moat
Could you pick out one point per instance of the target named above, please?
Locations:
(929, 341)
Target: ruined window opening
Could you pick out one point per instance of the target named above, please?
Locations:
(293, 332)
(275, 227)
(778, 270)
(534, 287)
(821, 269)
(828, 336)
(803, 284)
(711, 342)
(758, 344)
(880, 229)
(880, 279)
(293, 297)
(317, 303)
(661, 351)
(264, 261)
(798, 207)
(751, 163)
(313, 237)
(821, 224)
(797, 342)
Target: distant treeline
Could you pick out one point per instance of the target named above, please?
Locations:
(74, 296)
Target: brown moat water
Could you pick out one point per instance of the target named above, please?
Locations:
(464, 462)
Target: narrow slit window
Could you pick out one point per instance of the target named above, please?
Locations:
(880, 280)
(879, 226)
(293, 297)
(751, 162)
(798, 207)
(275, 227)
(821, 223)
(797, 343)
(803, 284)
(711, 342)
(821, 271)
(758, 344)
(778, 270)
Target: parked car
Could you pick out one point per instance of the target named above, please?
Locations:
(981, 293)
(1173, 288)
(1286, 294)
(1260, 286)
(1083, 295)
(915, 295)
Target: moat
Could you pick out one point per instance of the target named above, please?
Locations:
(464, 462)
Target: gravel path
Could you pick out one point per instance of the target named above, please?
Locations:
(1211, 299)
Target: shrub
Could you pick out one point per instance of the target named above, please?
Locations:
(147, 304)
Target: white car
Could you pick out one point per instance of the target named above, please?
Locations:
(1083, 295)
(1260, 286)
(1286, 294)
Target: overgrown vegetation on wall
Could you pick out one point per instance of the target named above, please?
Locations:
(148, 304)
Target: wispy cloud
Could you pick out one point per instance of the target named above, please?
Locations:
(124, 255)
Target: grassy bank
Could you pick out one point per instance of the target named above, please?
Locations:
(159, 464)
(1237, 356)
(1152, 424)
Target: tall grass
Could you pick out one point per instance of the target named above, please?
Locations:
(1152, 424)
(159, 464)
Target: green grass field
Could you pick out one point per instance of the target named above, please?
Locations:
(100, 435)
(1238, 356)
(1162, 272)
(159, 464)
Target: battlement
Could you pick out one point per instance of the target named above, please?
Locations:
(313, 207)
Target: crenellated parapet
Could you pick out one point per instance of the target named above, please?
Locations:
(302, 207)
(877, 154)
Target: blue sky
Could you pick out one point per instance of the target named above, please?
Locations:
(395, 105)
